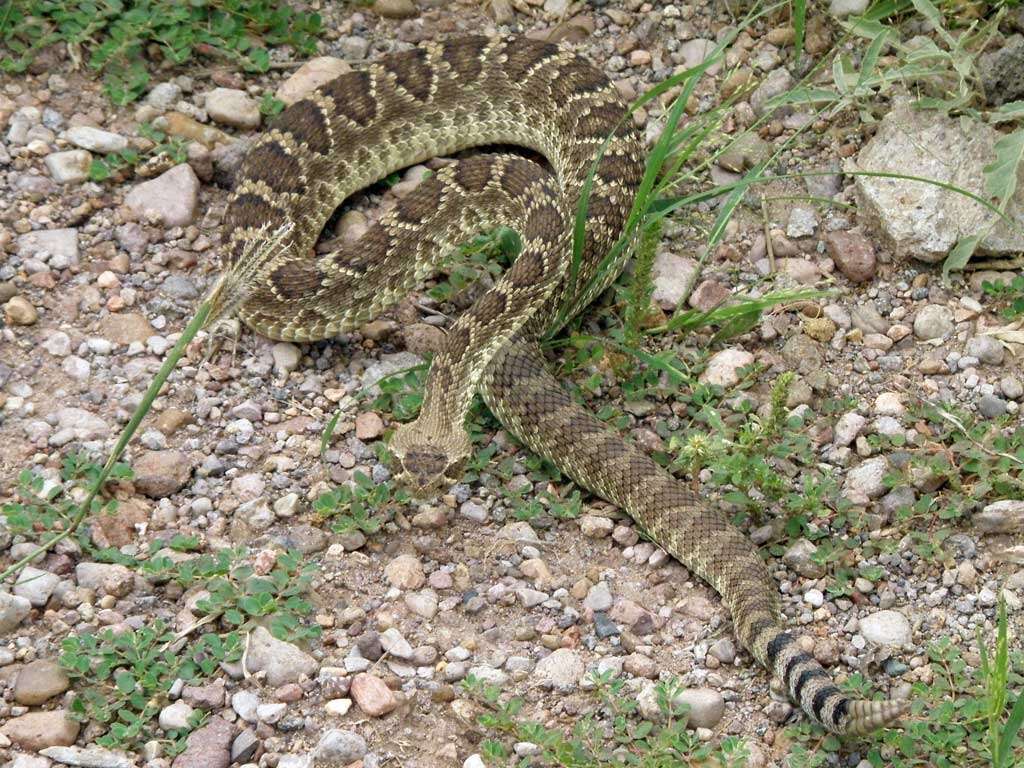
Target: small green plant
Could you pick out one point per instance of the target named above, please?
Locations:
(124, 681)
(1009, 295)
(746, 460)
(242, 598)
(527, 505)
(179, 542)
(173, 147)
(120, 37)
(401, 393)
(489, 253)
(43, 507)
(354, 507)
(614, 734)
(980, 459)
(270, 105)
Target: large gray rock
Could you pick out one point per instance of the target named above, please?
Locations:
(170, 198)
(561, 670)
(922, 220)
(886, 628)
(88, 757)
(13, 610)
(283, 662)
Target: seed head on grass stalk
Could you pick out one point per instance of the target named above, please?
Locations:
(638, 300)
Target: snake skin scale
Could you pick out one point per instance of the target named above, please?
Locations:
(437, 100)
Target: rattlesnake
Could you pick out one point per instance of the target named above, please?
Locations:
(436, 100)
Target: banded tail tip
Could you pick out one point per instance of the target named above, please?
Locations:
(867, 716)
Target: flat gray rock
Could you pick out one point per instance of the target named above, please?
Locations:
(88, 757)
(14, 609)
(921, 220)
(283, 662)
(170, 198)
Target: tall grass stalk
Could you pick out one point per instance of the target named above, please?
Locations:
(995, 670)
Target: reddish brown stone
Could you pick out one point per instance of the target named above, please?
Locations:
(208, 747)
(161, 473)
(372, 696)
(853, 255)
(709, 294)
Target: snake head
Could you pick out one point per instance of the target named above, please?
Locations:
(428, 461)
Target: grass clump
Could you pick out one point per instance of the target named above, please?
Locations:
(124, 39)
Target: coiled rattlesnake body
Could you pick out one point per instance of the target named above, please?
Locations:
(437, 100)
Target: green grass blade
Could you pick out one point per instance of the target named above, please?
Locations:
(870, 60)
(959, 255)
(675, 375)
(1009, 734)
(934, 17)
(328, 433)
(1011, 111)
(695, 318)
(884, 9)
(799, 26)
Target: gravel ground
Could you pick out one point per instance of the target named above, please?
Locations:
(99, 279)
